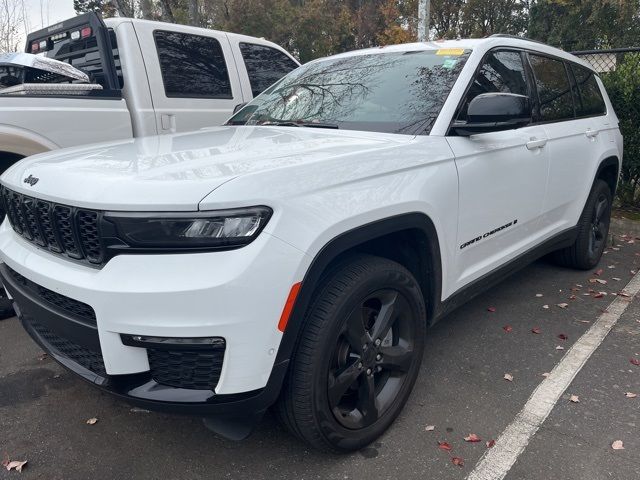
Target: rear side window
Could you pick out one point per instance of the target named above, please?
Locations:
(265, 66)
(192, 66)
(503, 72)
(554, 90)
(589, 99)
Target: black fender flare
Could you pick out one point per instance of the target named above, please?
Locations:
(341, 245)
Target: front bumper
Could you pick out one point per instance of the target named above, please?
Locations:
(236, 295)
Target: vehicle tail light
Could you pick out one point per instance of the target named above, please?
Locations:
(85, 32)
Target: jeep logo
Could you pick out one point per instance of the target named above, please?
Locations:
(31, 180)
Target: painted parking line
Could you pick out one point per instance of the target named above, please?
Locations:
(496, 462)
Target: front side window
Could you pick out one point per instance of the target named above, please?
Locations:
(192, 66)
(554, 90)
(501, 72)
(589, 99)
(265, 66)
(395, 92)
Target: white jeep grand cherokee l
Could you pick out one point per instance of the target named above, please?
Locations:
(296, 255)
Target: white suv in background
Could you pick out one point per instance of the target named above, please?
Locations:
(296, 255)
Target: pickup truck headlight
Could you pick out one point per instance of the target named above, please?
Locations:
(189, 231)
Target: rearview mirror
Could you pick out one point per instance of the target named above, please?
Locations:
(492, 112)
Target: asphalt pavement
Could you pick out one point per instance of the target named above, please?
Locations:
(461, 390)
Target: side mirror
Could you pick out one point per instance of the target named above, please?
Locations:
(492, 112)
(239, 107)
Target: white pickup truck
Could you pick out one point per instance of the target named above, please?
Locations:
(156, 78)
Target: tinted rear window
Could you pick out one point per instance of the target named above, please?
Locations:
(265, 66)
(192, 66)
(589, 98)
(554, 91)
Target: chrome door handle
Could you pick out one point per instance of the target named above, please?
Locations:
(535, 143)
(591, 133)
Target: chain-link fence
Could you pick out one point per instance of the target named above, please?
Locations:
(619, 70)
(605, 61)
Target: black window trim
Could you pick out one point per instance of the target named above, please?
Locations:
(595, 74)
(194, 96)
(567, 72)
(530, 89)
(533, 90)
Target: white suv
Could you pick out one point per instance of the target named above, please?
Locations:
(296, 255)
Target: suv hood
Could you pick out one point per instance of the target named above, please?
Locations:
(175, 172)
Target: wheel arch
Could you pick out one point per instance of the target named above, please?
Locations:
(408, 232)
(609, 171)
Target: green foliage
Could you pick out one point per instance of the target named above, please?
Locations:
(583, 25)
(623, 87)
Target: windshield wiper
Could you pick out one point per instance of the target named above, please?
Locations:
(300, 124)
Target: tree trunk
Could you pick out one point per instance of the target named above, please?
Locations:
(124, 8)
(167, 13)
(146, 7)
(193, 13)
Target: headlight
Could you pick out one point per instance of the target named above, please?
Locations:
(188, 231)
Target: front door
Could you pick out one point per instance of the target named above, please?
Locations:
(502, 177)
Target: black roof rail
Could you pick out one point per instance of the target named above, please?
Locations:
(515, 37)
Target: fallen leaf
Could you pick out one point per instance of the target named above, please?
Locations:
(559, 347)
(598, 272)
(624, 294)
(635, 361)
(601, 281)
(574, 399)
(508, 376)
(578, 285)
(16, 465)
(5, 460)
(536, 330)
(457, 461)
(538, 295)
(592, 280)
(562, 336)
(598, 295)
(472, 438)
(507, 328)
(545, 306)
(563, 305)
(491, 309)
(616, 279)
(92, 421)
(617, 445)
(491, 443)
(630, 395)
(572, 297)
(444, 446)
(584, 321)
(42, 356)
(546, 374)
(430, 428)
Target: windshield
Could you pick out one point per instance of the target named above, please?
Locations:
(397, 92)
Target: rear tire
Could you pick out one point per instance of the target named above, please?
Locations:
(357, 357)
(593, 229)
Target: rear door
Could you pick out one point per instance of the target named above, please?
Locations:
(571, 107)
(502, 176)
(193, 77)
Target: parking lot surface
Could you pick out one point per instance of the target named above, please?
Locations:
(461, 390)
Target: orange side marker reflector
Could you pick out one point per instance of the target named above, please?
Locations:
(288, 307)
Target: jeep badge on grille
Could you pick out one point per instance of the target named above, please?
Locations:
(31, 180)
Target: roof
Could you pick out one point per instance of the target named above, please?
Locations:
(482, 44)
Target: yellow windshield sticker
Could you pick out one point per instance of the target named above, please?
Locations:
(450, 51)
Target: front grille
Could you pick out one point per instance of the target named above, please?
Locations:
(192, 369)
(64, 230)
(75, 308)
(89, 359)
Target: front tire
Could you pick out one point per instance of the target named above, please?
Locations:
(358, 356)
(593, 229)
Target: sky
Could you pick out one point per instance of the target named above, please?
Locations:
(42, 13)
